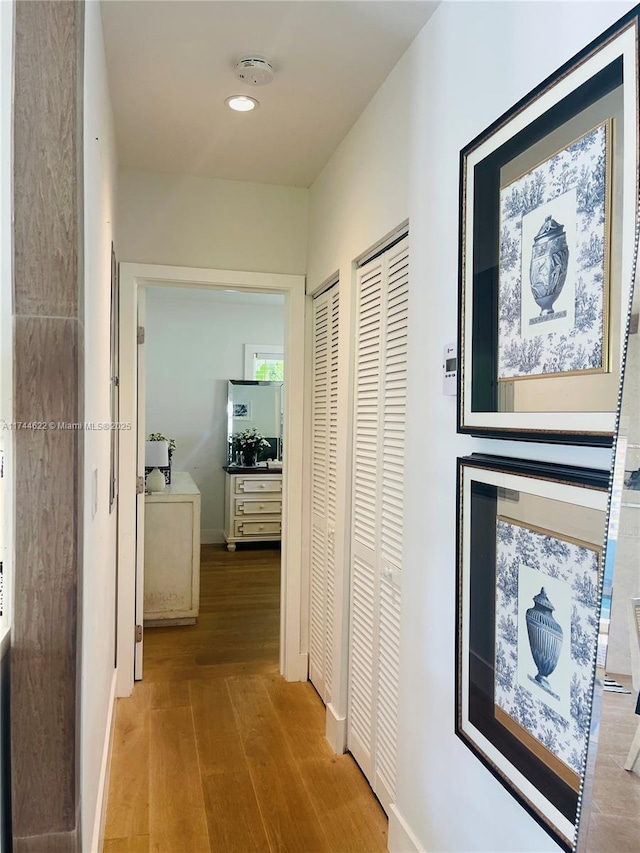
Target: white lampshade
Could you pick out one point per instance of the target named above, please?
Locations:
(156, 454)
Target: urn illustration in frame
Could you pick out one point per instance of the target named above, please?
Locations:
(545, 639)
(549, 264)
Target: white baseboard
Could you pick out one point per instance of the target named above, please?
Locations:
(97, 841)
(211, 537)
(303, 667)
(297, 668)
(401, 839)
(336, 730)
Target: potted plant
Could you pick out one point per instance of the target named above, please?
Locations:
(158, 436)
(249, 442)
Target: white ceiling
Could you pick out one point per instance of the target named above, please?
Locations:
(171, 66)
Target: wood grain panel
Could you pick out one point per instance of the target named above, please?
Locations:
(55, 842)
(290, 819)
(176, 804)
(352, 819)
(170, 694)
(128, 812)
(262, 735)
(220, 748)
(47, 280)
(44, 633)
(179, 667)
(46, 357)
(291, 822)
(233, 815)
(47, 132)
(301, 714)
(135, 844)
(239, 654)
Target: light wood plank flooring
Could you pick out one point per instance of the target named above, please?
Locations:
(216, 752)
(615, 810)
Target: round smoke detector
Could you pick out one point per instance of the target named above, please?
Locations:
(255, 71)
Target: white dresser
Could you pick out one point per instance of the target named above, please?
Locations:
(172, 553)
(253, 506)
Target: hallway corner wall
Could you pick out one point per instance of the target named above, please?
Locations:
(99, 577)
(195, 221)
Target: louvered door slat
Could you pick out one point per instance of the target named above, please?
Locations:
(394, 407)
(332, 472)
(318, 606)
(323, 489)
(378, 515)
(361, 652)
(366, 405)
(319, 454)
(387, 698)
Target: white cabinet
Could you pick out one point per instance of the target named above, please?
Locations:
(172, 553)
(253, 507)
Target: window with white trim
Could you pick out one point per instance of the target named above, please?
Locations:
(264, 362)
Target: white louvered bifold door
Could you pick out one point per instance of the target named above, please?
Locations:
(324, 414)
(377, 518)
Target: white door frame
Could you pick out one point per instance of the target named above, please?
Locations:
(293, 611)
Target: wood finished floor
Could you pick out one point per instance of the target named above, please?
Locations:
(615, 811)
(214, 751)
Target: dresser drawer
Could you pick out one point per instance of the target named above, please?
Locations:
(256, 528)
(245, 485)
(258, 506)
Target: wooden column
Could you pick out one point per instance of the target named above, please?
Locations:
(48, 351)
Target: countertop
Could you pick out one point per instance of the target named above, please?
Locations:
(258, 470)
(181, 484)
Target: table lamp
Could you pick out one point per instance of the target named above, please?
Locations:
(156, 456)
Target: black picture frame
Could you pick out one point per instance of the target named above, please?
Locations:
(532, 734)
(570, 395)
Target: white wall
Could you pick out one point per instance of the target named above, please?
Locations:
(194, 344)
(470, 63)
(205, 222)
(98, 592)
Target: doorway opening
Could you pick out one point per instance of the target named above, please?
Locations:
(213, 519)
(140, 287)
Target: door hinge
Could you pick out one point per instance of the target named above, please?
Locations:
(138, 633)
(140, 334)
(139, 485)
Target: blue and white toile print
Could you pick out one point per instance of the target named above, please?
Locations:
(526, 561)
(571, 189)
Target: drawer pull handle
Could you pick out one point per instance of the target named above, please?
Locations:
(261, 527)
(260, 506)
(261, 485)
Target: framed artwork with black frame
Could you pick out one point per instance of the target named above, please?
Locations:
(530, 554)
(548, 209)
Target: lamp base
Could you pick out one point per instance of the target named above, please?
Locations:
(156, 481)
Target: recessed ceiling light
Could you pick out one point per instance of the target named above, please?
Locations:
(242, 103)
